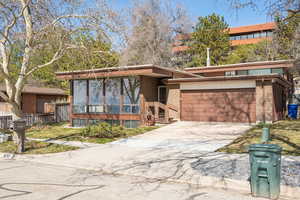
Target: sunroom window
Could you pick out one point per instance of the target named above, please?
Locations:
(80, 96)
(96, 98)
(131, 93)
(113, 95)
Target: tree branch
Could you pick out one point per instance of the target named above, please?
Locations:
(4, 96)
(56, 57)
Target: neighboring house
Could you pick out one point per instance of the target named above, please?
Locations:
(34, 98)
(136, 95)
(251, 34)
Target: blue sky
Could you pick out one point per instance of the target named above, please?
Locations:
(198, 8)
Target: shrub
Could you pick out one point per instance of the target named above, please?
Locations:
(103, 130)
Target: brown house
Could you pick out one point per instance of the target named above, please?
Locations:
(34, 98)
(139, 95)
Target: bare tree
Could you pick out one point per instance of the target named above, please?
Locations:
(34, 24)
(149, 38)
(273, 7)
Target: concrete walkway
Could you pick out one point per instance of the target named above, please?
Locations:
(67, 143)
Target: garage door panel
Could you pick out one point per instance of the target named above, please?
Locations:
(232, 105)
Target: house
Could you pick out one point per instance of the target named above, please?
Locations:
(136, 95)
(251, 34)
(123, 95)
(34, 98)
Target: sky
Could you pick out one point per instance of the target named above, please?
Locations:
(196, 8)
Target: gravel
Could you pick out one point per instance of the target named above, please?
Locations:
(238, 167)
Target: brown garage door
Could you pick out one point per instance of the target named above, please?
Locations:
(230, 105)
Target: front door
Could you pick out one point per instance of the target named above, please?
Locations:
(162, 94)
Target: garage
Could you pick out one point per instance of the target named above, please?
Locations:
(219, 105)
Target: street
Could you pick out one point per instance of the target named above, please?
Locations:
(29, 180)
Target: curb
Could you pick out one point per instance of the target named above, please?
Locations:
(287, 192)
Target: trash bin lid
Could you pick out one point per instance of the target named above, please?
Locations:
(265, 147)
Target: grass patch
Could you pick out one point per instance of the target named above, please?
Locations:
(34, 147)
(285, 133)
(61, 132)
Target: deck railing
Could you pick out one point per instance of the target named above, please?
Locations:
(159, 111)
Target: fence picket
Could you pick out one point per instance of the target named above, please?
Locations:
(31, 119)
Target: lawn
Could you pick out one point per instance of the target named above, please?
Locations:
(284, 133)
(33, 147)
(61, 132)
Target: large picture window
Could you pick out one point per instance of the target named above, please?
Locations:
(131, 91)
(112, 96)
(96, 97)
(79, 96)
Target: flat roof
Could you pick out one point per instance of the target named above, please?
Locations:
(250, 65)
(252, 28)
(226, 78)
(38, 90)
(147, 70)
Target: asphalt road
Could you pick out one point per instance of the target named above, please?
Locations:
(29, 180)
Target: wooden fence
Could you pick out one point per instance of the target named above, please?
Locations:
(31, 119)
(61, 111)
(5, 121)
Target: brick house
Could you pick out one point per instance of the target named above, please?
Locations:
(134, 95)
(240, 35)
(34, 98)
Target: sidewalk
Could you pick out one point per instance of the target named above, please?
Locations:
(68, 143)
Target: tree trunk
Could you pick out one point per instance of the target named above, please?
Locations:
(20, 141)
(19, 134)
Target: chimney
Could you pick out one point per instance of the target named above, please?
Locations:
(208, 57)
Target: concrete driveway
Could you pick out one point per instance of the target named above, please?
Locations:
(165, 153)
(188, 136)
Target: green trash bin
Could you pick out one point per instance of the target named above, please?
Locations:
(265, 166)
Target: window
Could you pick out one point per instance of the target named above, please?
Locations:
(96, 98)
(230, 73)
(131, 93)
(259, 71)
(244, 37)
(80, 96)
(277, 71)
(113, 95)
(131, 123)
(269, 34)
(242, 72)
(256, 35)
(263, 34)
(79, 122)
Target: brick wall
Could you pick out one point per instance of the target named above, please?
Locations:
(264, 101)
(280, 99)
(173, 98)
(148, 92)
(149, 88)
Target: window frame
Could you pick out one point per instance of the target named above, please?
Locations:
(134, 108)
